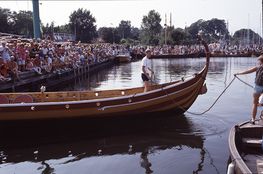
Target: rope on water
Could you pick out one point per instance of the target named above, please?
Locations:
(202, 113)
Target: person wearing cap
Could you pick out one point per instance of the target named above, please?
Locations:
(146, 70)
(258, 89)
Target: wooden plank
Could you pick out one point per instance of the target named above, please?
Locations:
(259, 166)
(252, 142)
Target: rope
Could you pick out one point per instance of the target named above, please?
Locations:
(244, 82)
(202, 113)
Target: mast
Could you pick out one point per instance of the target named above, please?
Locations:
(36, 19)
(170, 19)
(248, 33)
(165, 30)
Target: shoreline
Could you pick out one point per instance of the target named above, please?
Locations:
(32, 82)
(195, 55)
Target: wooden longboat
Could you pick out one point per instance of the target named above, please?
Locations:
(175, 96)
(123, 58)
(245, 145)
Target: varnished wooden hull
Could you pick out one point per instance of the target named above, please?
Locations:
(177, 97)
(123, 58)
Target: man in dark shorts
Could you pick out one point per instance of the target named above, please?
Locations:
(258, 89)
(147, 72)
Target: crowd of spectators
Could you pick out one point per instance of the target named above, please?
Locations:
(46, 56)
(215, 48)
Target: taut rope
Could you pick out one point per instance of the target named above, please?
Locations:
(202, 113)
(244, 82)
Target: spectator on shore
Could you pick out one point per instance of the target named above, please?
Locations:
(47, 64)
(32, 67)
(5, 52)
(21, 57)
(4, 79)
(13, 67)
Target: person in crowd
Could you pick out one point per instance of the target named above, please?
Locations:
(13, 67)
(47, 64)
(258, 89)
(4, 79)
(3, 68)
(21, 57)
(30, 66)
(34, 49)
(5, 52)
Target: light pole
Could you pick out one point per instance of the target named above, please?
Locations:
(36, 19)
(75, 29)
(113, 37)
(165, 34)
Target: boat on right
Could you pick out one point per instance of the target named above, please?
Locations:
(246, 148)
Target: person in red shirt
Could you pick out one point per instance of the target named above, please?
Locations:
(21, 57)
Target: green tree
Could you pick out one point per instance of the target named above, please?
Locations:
(151, 28)
(246, 36)
(213, 29)
(194, 28)
(82, 23)
(49, 29)
(179, 36)
(135, 33)
(6, 20)
(109, 34)
(23, 23)
(124, 29)
(64, 29)
(167, 35)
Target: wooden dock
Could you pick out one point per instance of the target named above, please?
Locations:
(30, 81)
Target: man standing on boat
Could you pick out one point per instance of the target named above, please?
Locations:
(147, 71)
(258, 89)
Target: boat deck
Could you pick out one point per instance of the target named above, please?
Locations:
(254, 162)
(251, 145)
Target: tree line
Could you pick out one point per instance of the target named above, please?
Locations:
(83, 25)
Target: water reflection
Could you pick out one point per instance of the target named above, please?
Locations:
(128, 75)
(52, 146)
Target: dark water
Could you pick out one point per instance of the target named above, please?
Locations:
(152, 144)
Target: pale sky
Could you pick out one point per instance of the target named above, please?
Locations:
(238, 13)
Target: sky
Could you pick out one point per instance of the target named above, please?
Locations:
(108, 13)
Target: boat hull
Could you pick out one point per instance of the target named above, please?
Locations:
(177, 100)
(123, 58)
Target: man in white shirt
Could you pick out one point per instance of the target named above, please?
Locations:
(147, 72)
